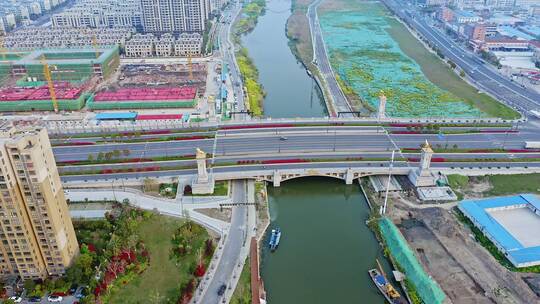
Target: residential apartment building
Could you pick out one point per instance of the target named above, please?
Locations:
(37, 235)
(188, 44)
(31, 38)
(140, 46)
(148, 45)
(100, 13)
(164, 46)
(475, 32)
(174, 16)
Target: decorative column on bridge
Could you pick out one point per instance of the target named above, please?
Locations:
(422, 176)
(382, 107)
(203, 183)
(277, 178)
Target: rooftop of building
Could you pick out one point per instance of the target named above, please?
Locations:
(60, 56)
(62, 90)
(533, 29)
(462, 13)
(509, 220)
(513, 32)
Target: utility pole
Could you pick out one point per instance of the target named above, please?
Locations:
(383, 210)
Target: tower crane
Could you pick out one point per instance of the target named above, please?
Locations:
(50, 84)
(95, 45)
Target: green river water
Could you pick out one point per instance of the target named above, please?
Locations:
(326, 249)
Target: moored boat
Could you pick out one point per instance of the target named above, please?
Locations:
(387, 290)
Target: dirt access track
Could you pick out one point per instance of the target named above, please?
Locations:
(463, 268)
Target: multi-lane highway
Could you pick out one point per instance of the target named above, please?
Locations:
(270, 147)
(480, 74)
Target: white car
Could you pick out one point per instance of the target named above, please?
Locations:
(53, 298)
(16, 299)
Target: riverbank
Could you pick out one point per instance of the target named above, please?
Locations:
(301, 45)
(371, 52)
(250, 75)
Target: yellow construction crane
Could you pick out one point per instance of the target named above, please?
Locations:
(50, 84)
(95, 45)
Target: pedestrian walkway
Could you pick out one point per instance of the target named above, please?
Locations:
(185, 207)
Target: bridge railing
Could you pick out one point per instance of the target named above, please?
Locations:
(86, 126)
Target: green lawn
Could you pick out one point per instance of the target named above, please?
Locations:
(221, 188)
(513, 184)
(500, 184)
(161, 281)
(442, 76)
(242, 293)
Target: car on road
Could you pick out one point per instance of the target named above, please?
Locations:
(221, 290)
(54, 298)
(34, 299)
(16, 299)
(282, 138)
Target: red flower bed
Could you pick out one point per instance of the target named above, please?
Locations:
(77, 143)
(116, 267)
(257, 126)
(438, 159)
(284, 161)
(499, 131)
(405, 132)
(404, 125)
(522, 150)
(188, 138)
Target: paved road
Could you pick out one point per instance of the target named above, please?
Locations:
(335, 140)
(480, 74)
(227, 51)
(320, 59)
(232, 246)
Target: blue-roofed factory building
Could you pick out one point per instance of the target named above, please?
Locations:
(508, 223)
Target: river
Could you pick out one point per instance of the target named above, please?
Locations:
(290, 91)
(326, 248)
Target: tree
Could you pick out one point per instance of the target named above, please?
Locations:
(108, 155)
(100, 156)
(82, 269)
(90, 157)
(455, 146)
(126, 152)
(116, 153)
(187, 190)
(462, 73)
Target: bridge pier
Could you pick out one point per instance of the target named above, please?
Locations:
(277, 178)
(349, 176)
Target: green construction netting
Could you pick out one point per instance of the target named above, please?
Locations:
(138, 105)
(44, 105)
(75, 55)
(428, 290)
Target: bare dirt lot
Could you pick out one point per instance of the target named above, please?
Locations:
(463, 268)
(157, 75)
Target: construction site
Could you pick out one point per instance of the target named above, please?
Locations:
(151, 86)
(139, 98)
(93, 79)
(47, 80)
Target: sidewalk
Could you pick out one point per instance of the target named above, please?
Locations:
(185, 207)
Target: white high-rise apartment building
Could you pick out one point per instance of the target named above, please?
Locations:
(174, 16)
